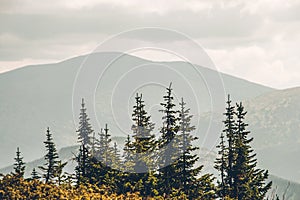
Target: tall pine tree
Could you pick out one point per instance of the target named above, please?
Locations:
(221, 166)
(144, 141)
(188, 172)
(143, 146)
(107, 148)
(51, 158)
(19, 165)
(240, 178)
(168, 145)
(230, 133)
(249, 182)
(85, 131)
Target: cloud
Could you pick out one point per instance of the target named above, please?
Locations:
(266, 66)
(233, 31)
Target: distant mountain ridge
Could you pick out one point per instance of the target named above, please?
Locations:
(40, 96)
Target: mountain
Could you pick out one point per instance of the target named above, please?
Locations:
(35, 97)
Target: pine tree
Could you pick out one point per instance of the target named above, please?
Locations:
(248, 181)
(128, 167)
(85, 130)
(221, 166)
(188, 173)
(168, 145)
(144, 142)
(229, 130)
(59, 172)
(116, 158)
(128, 160)
(34, 175)
(240, 178)
(19, 165)
(51, 158)
(143, 146)
(100, 146)
(108, 149)
(81, 169)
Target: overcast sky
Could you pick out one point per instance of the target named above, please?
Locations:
(257, 40)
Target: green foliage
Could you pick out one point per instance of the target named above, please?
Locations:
(240, 177)
(51, 166)
(34, 175)
(142, 148)
(168, 145)
(83, 159)
(188, 174)
(19, 165)
(164, 169)
(85, 130)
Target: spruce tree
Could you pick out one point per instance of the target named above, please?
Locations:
(85, 131)
(188, 172)
(59, 172)
(249, 182)
(229, 131)
(107, 148)
(221, 166)
(51, 158)
(100, 146)
(143, 146)
(144, 141)
(128, 167)
(81, 170)
(128, 159)
(168, 145)
(34, 175)
(19, 165)
(240, 178)
(116, 164)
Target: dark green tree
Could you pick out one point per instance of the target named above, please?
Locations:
(51, 158)
(188, 173)
(34, 175)
(240, 178)
(221, 166)
(249, 182)
(61, 177)
(142, 148)
(19, 165)
(128, 167)
(83, 161)
(85, 131)
(143, 142)
(229, 131)
(107, 148)
(168, 145)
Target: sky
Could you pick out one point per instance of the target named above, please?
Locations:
(256, 40)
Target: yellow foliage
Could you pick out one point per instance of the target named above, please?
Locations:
(13, 187)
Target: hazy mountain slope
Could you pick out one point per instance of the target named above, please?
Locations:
(35, 97)
(274, 120)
